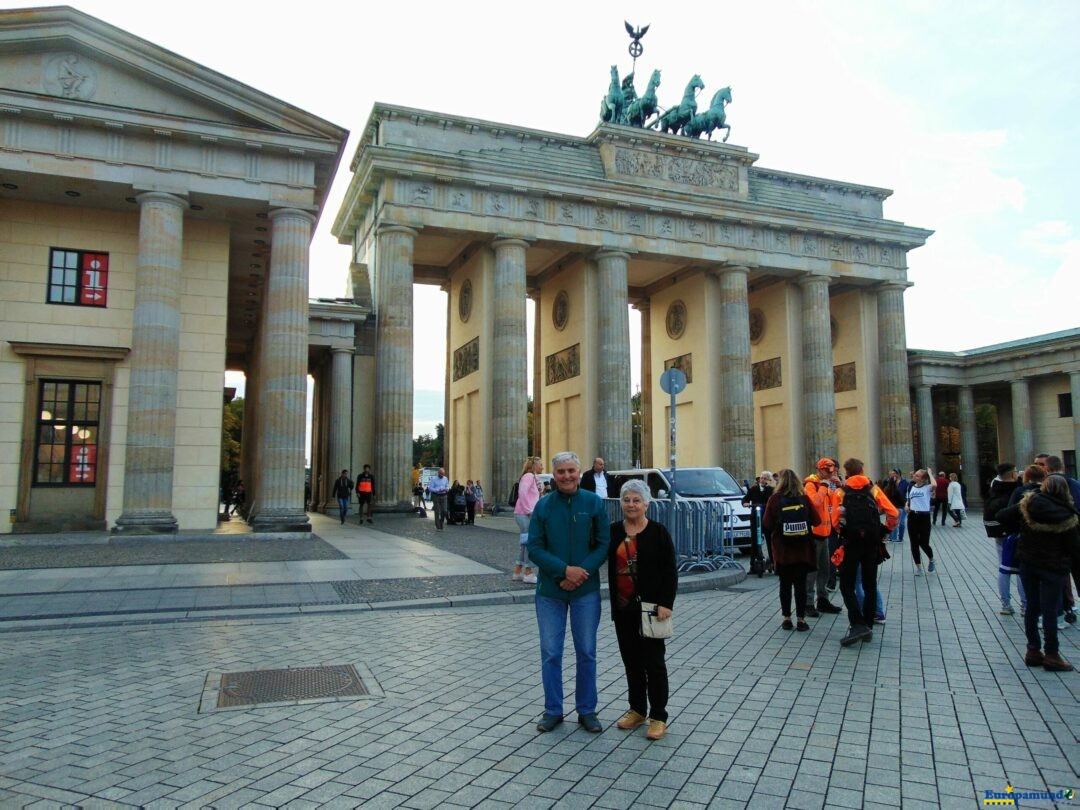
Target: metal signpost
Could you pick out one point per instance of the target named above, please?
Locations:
(672, 382)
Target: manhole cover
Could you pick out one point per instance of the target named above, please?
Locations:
(287, 685)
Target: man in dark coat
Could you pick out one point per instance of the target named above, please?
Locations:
(597, 480)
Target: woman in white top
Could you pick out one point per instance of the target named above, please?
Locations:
(918, 522)
(529, 491)
(956, 501)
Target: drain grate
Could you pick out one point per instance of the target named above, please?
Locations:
(289, 685)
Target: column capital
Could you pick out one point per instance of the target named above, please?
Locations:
(813, 278)
(161, 197)
(893, 285)
(642, 306)
(611, 253)
(724, 269)
(292, 213)
(509, 241)
(383, 229)
(342, 350)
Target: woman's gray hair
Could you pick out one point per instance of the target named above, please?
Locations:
(564, 457)
(635, 485)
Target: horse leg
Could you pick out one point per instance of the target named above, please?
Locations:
(727, 131)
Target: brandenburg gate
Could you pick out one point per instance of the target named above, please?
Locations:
(779, 295)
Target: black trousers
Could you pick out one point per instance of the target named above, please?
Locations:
(867, 555)
(918, 526)
(793, 576)
(646, 670)
(943, 507)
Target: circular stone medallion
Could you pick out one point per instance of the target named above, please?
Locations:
(560, 310)
(757, 325)
(464, 304)
(676, 320)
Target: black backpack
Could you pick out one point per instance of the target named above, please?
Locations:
(860, 521)
(794, 520)
(512, 500)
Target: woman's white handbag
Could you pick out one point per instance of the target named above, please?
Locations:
(651, 625)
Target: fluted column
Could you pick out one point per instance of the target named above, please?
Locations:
(1074, 389)
(613, 359)
(819, 403)
(341, 408)
(646, 459)
(1023, 435)
(924, 402)
(969, 442)
(733, 369)
(155, 353)
(537, 381)
(509, 367)
(283, 376)
(895, 399)
(394, 365)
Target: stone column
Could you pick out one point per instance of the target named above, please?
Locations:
(394, 366)
(646, 384)
(969, 443)
(509, 368)
(1023, 435)
(1074, 390)
(924, 402)
(341, 409)
(613, 359)
(283, 376)
(155, 354)
(733, 369)
(895, 399)
(819, 404)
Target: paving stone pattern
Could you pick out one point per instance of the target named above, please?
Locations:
(936, 709)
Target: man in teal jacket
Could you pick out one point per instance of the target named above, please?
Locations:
(568, 539)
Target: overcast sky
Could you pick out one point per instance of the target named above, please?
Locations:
(968, 111)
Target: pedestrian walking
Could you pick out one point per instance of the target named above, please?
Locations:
(919, 521)
(788, 521)
(955, 495)
(641, 570)
(343, 487)
(439, 487)
(1001, 490)
(528, 495)
(941, 498)
(365, 493)
(821, 488)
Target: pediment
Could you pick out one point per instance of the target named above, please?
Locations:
(65, 54)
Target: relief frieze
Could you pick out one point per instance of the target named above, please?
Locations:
(844, 378)
(765, 374)
(562, 365)
(685, 364)
(467, 359)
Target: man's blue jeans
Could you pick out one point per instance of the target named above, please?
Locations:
(343, 505)
(860, 594)
(584, 622)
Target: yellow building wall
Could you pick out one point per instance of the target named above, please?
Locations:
(564, 405)
(27, 232)
(470, 396)
(1053, 434)
(856, 342)
(772, 430)
(694, 406)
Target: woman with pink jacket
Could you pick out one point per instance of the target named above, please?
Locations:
(529, 491)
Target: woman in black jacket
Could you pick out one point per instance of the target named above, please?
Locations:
(1047, 522)
(641, 568)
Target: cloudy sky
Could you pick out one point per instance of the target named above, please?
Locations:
(968, 111)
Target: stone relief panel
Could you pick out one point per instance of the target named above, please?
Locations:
(685, 364)
(465, 296)
(682, 171)
(70, 76)
(467, 359)
(675, 320)
(757, 325)
(563, 365)
(844, 378)
(560, 310)
(765, 374)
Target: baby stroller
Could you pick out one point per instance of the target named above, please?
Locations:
(458, 513)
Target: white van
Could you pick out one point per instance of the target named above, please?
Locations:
(693, 483)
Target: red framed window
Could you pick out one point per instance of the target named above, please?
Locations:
(67, 433)
(78, 277)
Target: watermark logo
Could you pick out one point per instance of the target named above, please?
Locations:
(1010, 796)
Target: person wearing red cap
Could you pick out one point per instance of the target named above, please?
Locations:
(822, 488)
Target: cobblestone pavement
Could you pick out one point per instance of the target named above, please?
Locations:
(936, 709)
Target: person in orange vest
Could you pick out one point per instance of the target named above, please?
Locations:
(365, 493)
(822, 488)
(859, 505)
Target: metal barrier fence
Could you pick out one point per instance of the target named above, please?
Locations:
(703, 531)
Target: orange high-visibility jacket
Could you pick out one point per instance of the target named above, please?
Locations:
(892, 517)
(826, 502)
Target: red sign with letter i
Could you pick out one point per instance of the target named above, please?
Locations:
(83, 463)
(95, 279)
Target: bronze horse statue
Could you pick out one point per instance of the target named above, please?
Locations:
(676, 117)
(641, 109)
(712, 119)
(611, 105)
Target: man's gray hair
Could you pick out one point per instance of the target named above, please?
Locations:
(564, 457)
(637, 486)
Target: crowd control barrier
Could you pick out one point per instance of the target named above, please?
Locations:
(703, 531)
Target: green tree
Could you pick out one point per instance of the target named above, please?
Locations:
(232, 428)
(428, 449)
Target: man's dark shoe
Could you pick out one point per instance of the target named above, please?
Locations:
(855, 633)
(590, 723)
(825, 606)
(869, 634)
(548, 722)
(812, 612)
(1033, 657)
(1055, 663)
